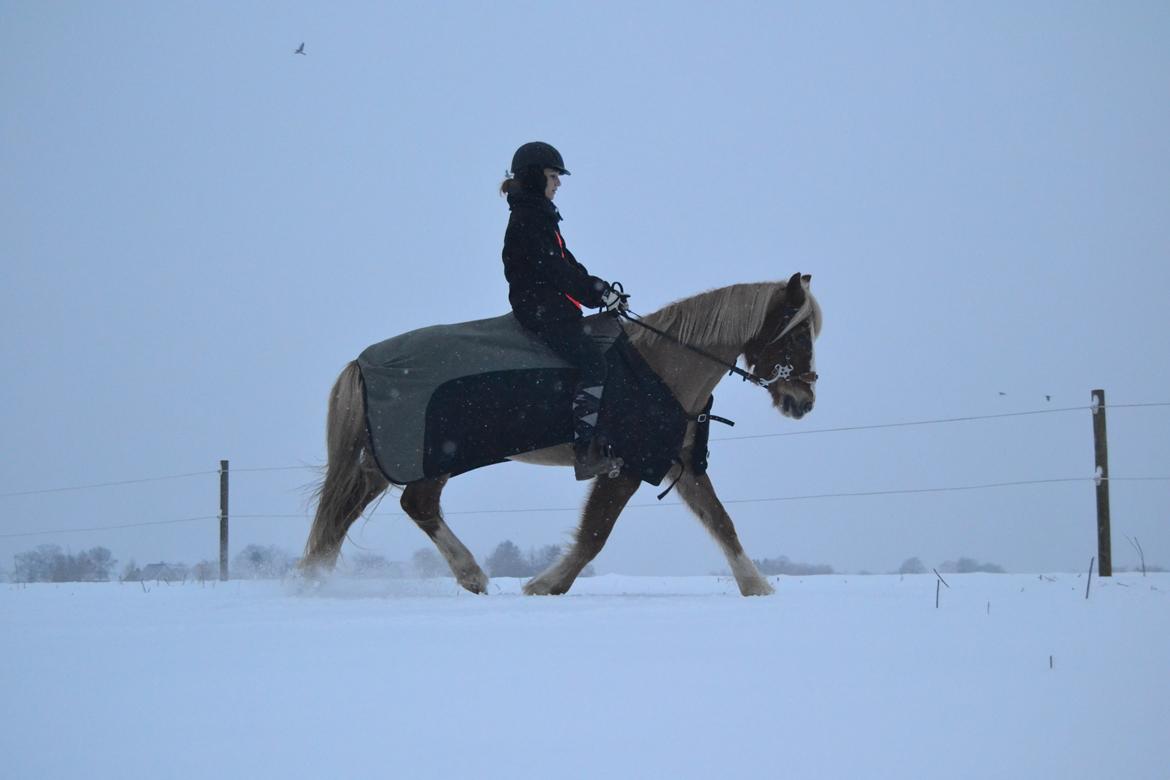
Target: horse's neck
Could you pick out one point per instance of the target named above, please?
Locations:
(691, 376)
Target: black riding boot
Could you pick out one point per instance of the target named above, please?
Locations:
(592, 456)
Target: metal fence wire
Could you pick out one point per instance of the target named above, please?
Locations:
(648, 505)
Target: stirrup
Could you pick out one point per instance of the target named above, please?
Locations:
(596, 461)
(610, 467)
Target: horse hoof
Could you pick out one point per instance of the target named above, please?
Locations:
(315, 572)
(535, 588)
(539, 587)
(757, 588)
(475, 582)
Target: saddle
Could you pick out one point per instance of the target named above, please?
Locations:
(448, 399)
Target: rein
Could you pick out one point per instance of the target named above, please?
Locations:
(781, 372)
(747, 376)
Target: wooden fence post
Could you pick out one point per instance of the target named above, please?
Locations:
(1101, 453)
(223, 520)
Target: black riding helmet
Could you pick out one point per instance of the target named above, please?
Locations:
(537, 154)
(529, 162)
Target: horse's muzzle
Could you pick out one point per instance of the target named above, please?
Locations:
(796, 409)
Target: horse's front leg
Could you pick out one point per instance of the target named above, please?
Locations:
(607, 498)
(699, 495)
(420, 500)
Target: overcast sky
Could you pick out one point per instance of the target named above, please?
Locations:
(199, 228)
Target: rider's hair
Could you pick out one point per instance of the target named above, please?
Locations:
(531, 178)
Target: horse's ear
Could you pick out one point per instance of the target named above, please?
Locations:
(807, 279)
(794, 292)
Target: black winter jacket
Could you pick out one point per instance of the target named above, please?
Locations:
(542, 273)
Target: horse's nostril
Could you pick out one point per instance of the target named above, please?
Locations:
(807, 407)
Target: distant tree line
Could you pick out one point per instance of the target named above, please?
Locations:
(781, 565)
(961, 566)
(508, 561)
(968, 566)
(170, 572)
(49, 563)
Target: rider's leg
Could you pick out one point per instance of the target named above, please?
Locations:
(583, 343)
(586, 408)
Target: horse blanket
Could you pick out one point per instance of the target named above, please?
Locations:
(452, 398)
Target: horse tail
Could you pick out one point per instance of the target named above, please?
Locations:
(352, 477)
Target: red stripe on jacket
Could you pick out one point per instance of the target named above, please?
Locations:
(561, 244)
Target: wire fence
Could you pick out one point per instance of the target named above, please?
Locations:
(550, 509)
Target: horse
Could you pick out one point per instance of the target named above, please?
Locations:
(690, 344)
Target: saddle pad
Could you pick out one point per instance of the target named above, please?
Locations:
(452, 398)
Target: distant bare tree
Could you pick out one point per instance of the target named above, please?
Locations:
(506, 561)
(912, 566)
(259, 562)
(37, 565)
(131, 573)
(205, 570)
(95, 564)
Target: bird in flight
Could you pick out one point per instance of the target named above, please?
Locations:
(300, 49)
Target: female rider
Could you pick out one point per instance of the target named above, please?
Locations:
(547, 288)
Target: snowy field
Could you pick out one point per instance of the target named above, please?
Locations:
(833, 677)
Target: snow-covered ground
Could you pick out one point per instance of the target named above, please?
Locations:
(834, 676)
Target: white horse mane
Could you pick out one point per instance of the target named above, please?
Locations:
(727, 315)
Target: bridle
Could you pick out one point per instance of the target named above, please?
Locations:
(784, 370)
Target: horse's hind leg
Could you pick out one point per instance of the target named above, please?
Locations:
(607, 499)
(699, 495)
(420, 500)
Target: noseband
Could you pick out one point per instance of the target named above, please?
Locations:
(785, 372)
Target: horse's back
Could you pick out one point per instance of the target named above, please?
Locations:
(458, 349)
(428, 391)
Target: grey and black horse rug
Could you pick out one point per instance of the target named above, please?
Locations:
(452, 398)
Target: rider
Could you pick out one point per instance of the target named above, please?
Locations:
(547, 288)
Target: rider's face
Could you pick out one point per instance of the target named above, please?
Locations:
(552, 180)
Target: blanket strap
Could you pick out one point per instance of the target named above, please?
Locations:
(699, 450)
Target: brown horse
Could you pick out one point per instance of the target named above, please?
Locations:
(772, 325)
